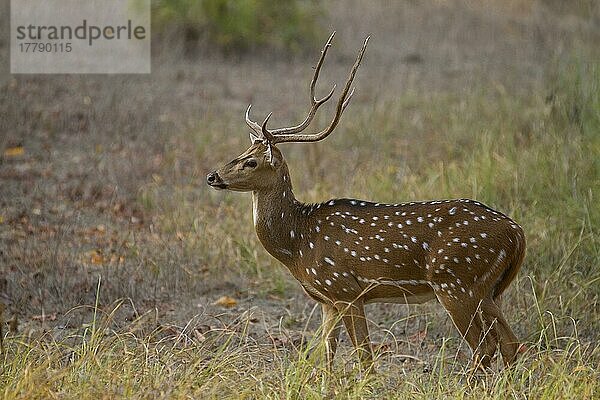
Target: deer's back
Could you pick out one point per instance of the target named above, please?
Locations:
(349, 246)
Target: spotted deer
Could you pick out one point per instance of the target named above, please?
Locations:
(346, 253)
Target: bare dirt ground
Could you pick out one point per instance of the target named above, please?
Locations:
(88, 203)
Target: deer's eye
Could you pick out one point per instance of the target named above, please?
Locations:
(250, 164)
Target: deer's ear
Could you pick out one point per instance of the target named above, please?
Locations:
(275, 157)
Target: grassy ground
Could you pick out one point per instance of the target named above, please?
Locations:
(115, 257)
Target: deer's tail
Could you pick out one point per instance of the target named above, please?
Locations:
(514, 266)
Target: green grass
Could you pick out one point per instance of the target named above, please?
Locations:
(105, 364)
(534, 156)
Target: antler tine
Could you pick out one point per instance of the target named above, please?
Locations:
(347, 101)
(265, 132)
(314, 103)
(253, 125)
(313, 82)
(343, 102)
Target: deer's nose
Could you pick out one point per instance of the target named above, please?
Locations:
(212, 178)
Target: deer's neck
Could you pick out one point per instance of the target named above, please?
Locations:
(277, 218)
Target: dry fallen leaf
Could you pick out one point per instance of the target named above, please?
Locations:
(385, 347)
(96, 257)
(114, 259)
(418, 337)
(225, 301)
(14, 151)
(44, 317)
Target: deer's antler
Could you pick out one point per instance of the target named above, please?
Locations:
(291, 134)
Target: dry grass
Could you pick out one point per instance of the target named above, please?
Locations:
(113, 252)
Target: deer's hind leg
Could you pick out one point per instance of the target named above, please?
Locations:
(467, 315)
(509, 344)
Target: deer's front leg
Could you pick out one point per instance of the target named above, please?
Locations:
(331, 331)
(356, 325)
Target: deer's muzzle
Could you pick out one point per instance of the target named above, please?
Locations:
(213, 179)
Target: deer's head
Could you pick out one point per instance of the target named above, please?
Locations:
(254, 169)
(260, 165)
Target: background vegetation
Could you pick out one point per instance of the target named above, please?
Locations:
(123, 275)
(240, 25)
